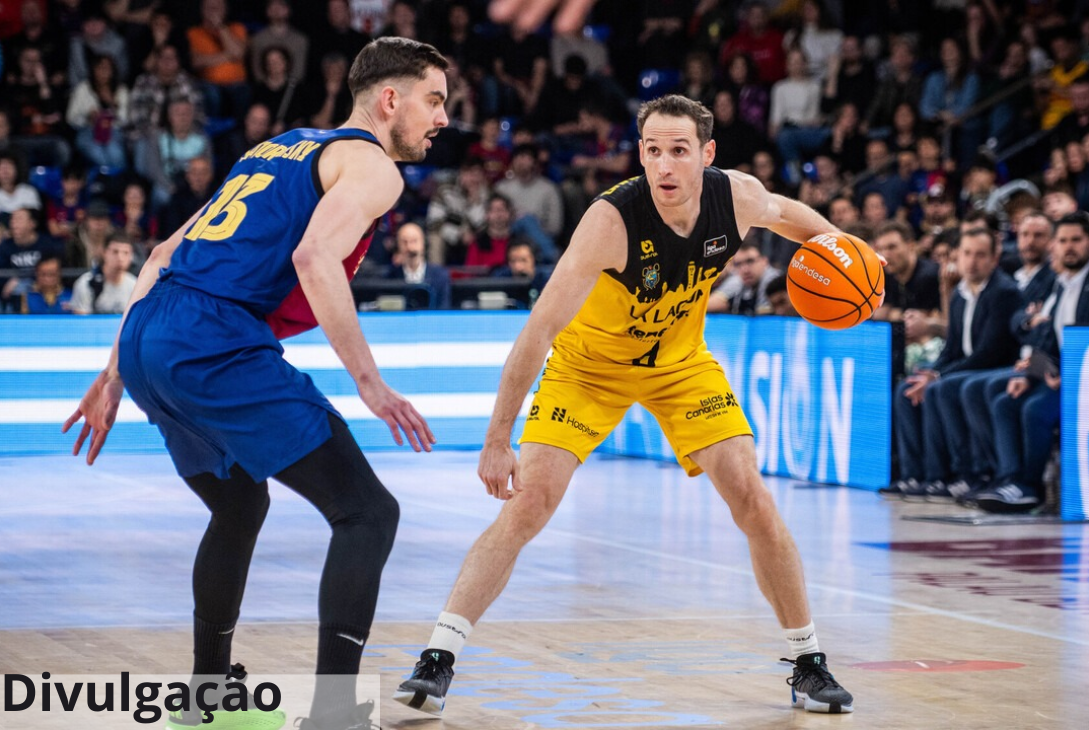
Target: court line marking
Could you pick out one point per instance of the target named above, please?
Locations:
(864, 595)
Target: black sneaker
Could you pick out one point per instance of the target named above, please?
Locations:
(942, 492)
(1008, 497)
(426, 689)
(814, 688)
(896, 489)
(917, 491)
(356, 718)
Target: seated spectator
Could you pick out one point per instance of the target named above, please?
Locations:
(218, 51)
(948, 94)
(136, 220)
(521, 264)
(874, 210)
(760, 40)
(754, 273)
(921, 346)
(1069, 66)
(735, 139)
(698, 79)
(815, 35)
(779, 298)
(231, 146)
(37, 106)
(496, 158)
(279, 33)
(170, 150)
(928, 408)
(537, 201)
(562, 98)
(156, 90)
(412, 266)
(162, 31)
(22, 252)
(842, 212)
(910, 282)
(338, 38)
(489, 246)
(330, 99)
(63, 214)
(98, 110)
(47, 294)
(823, 184)
(97, 39)
(848, 79)
(1057, 202)
(766, 171)
(939, 214)
(401, 21)
(905, 129)
(742, 80)
(278, 92)
(902, 85)
(1036, 280)
(457, 210)
(47, 38)
(15, 193)
(845, 142)
(1026, 411)
(1075, 124)
(195, 191)
(881, 175)
(519, 74)
(85, 249)
(980, 182)
(604, 157)
(1016, 116)
(108, 288)
(795, 120)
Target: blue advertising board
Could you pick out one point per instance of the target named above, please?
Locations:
(818, 401)
(1074, 445)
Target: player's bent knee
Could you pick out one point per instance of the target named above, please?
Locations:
(526, 514)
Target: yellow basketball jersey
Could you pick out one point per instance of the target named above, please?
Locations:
(652, 313)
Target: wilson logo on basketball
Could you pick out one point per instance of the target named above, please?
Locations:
(830, 243)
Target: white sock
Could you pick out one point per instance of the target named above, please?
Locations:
(802, 641)
(451, 633)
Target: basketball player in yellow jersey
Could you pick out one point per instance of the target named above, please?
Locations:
(624, 315)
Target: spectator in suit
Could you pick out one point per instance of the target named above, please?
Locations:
(1027, 412)
(931, 428)
(1035, 279)
(412, 266)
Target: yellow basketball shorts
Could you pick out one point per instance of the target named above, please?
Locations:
(580, 402)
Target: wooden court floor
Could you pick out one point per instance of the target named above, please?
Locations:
(636, 608)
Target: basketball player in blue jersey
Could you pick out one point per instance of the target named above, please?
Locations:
(623, 315)
(198, 351)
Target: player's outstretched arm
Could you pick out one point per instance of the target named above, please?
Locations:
(98, 407)
(598, 243)
(361, 183)
(756, 207)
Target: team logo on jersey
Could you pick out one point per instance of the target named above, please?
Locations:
(714, 246)
(648, 250)
(651, 276)
(534, 412)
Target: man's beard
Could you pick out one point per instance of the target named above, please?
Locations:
(1074, 263)
(402, 150)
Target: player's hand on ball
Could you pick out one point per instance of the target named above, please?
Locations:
(398, 413)
(98, 408)
(498, 470)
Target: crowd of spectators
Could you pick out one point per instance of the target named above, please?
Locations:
(951, 134)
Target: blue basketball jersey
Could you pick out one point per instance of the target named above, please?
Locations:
(240, 247)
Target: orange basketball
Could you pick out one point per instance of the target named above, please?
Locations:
(835, 281)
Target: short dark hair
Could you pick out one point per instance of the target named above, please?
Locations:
(120, 237)
(519, 242)
(894, 226)
(47, 260)
(526, 148)
(675, 105)
(750, 246)
(1078, 218)
(980, 218)
(388, 59)
(776, 285)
